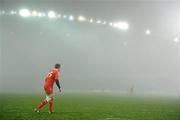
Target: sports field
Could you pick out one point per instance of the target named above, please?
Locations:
(90, 107)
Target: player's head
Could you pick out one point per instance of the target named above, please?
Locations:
(57, 66)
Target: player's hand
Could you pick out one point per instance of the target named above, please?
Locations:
(60, 90)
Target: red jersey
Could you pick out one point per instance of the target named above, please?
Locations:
(51, 77)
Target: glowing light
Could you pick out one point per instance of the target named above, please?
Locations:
(81, 18)
(64, 16)
(51, 14)
(24, 13)
(148, 32)
(71, 18)
(91, 20)
(40, 14)
(12, 12)
(121, 25)
(98, 22)
(111, 24)
(176, 40)
(34, 13)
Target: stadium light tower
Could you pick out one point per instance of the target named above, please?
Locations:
(81, 18)
(91, 20)
(64, 16)
(148, 32)
(98, 21)
(12, 12)
(34, 13)
(121, 25)
(110, 24)
(40, 14)
(51, 14)
(24, 13)
(176, 40)
(71, 18)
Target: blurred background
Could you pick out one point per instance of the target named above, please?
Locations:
(125, 46)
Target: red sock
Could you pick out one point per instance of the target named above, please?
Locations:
(51, 105)
(41, 104)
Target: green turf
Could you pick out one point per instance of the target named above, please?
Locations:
(90, 107)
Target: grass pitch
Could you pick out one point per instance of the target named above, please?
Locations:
(90, 107)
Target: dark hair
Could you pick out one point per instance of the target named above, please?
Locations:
(57, 66)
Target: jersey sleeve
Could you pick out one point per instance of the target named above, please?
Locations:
(56, 75)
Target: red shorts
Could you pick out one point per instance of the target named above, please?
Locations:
(48, 90)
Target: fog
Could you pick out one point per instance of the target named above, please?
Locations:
(93, 57)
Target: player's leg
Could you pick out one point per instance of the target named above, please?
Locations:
(44, 102)
(49, 96)
(51, 105)
(41, 105)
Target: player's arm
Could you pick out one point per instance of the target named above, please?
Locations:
(57, 83)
